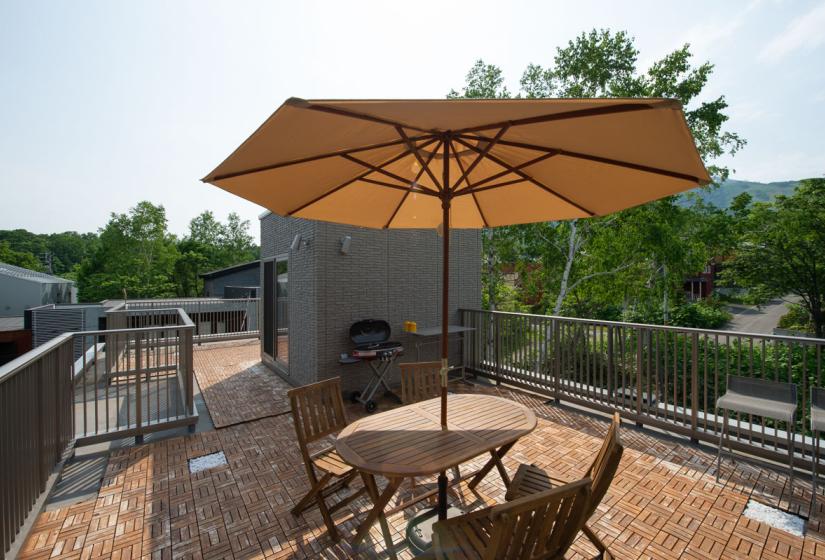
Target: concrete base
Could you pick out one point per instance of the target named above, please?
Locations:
(420, 528)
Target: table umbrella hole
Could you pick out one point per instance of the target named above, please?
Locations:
(205, 462)
(775, 518)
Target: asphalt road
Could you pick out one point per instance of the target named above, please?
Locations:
(753, 320)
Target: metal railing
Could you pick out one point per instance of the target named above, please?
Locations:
(128, 380)
(136, 376)
(214, 319)
(668, 377)
(35, 429)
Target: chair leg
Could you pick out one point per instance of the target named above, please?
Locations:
(597, 542)
(721, 443)
(306, 501)
(814, 469)
(322, 505)
(791, 430)
(316, 494)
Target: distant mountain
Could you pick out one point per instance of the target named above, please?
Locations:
(761, 192)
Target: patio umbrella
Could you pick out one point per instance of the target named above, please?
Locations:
(465, 163)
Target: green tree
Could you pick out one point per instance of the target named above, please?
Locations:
(18, 258)
(135, 257)
(641, 251)
(782, 250)
(210, 245)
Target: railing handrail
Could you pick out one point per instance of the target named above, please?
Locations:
(182, 315)
(797, 339)
(9, 369)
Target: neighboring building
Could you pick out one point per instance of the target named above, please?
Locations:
(237, 281)
(702, 285)
(15, 338)
(21, 288)
(314, 287)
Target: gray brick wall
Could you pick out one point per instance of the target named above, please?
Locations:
(388, 274)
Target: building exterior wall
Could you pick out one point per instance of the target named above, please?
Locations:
(393, 275)
(17, 295)
(214, 287)
(277, 234)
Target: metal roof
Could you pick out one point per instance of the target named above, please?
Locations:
(231, 269)
(32, 275)
(11, 323)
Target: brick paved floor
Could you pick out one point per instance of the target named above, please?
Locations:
(664, 502)
(236, 386)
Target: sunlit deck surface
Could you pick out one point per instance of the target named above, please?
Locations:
(664, 501)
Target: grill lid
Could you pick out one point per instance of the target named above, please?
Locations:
(369, 331)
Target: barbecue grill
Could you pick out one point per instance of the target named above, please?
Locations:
(372, 345)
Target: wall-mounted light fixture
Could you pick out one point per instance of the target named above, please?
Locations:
(296, 242)
(346, 241)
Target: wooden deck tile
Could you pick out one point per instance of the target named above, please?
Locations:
(664, 503)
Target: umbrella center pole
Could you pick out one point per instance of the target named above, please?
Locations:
(446, 196)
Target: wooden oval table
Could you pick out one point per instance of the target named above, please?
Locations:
(409, 442)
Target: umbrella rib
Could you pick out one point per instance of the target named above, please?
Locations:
(344, 184)
(314, 158)
(580, 113)
(409, 190)
(520, 166)
(482, 154)
(356, 115)
(473, 191)
(526, 177)
(378, 169)
(417, 155)
(467, 180)
(405, 188)
(598, 159)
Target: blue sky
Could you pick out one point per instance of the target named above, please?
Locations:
(104, 104)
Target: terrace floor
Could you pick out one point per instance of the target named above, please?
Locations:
(664, 502)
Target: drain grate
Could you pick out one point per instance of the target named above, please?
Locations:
(205, 462)
(776, 518)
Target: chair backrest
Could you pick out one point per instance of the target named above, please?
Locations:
(318, 410)
(420, 381)
(818, 397)
(604, 467)
(542, 525)
(762, 388)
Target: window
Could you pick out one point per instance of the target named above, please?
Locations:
(276, 309)
(282, 310)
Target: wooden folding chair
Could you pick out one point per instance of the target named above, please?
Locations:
(421, 381)
(538, 526)
(530, 479)
(318, 411)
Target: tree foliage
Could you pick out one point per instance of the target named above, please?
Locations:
(637, 258)
(18, 258)
(134, 259)
(782, 250)
(58, 253)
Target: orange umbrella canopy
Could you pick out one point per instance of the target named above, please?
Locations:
(381, 164)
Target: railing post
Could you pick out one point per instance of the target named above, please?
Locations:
(639, 362)
(610, 361)
(554, 325)
(496, 321)
(138, 390)
(189, 374)
(694, 388)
